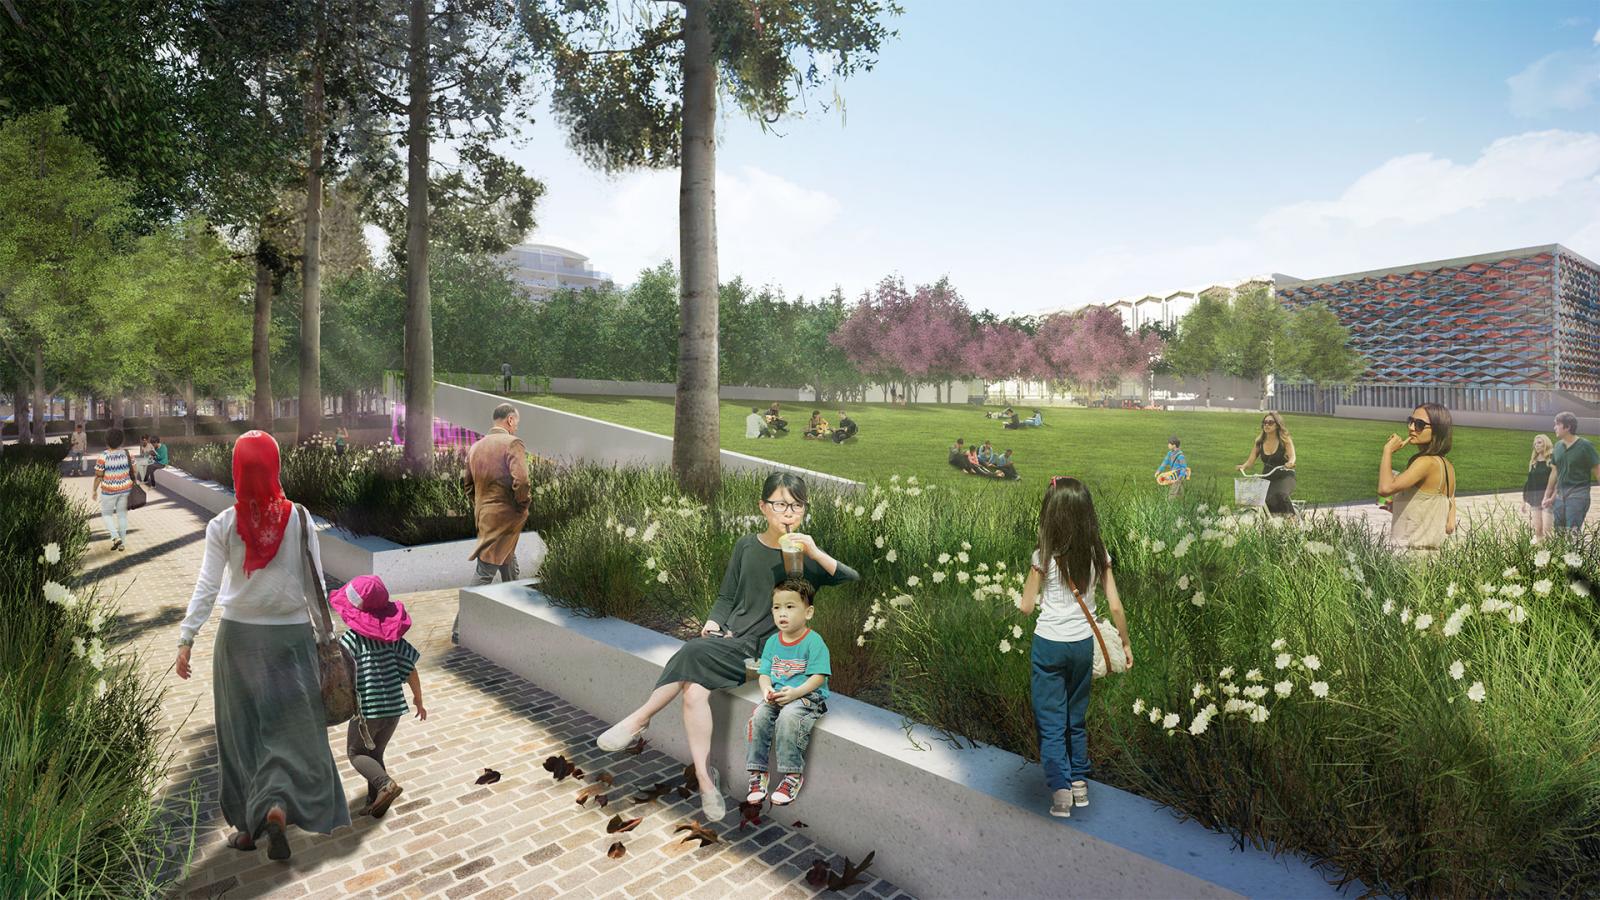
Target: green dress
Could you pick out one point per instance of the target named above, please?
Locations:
(744, 607)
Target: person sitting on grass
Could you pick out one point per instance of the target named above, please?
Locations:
(1034, 421)
(975, 467)
(986, 453)
(958, 454)
(1002, 464)
(755, 425)
(1007, 414)
(847, 429)
(793, 672)
(818, 426)
(776, 421)
(1175, 463)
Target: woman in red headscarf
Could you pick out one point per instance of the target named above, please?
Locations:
(277, 767)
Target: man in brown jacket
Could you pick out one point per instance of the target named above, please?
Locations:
(497, 475)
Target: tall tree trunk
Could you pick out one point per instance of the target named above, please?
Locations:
(419, 313)
(695, 432)
(117, 405)
(190, 413)
(41, 405)
(20, 415)
(311, 266)
(261, 342)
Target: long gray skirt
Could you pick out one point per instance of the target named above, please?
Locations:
(271, 738)
(714, 663)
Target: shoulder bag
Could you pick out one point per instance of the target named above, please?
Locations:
(1108, 658)
(336, 668)
(137, 496)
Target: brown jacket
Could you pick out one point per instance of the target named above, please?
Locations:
(497, 475)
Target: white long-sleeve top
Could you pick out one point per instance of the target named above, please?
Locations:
(274, 594)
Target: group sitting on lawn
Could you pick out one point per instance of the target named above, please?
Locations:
(1034, 421)
(982, 460)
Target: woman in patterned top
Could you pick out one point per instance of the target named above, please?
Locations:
(113, 482)
(384, 661)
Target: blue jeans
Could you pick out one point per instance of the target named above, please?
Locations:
(1062, 673)
(1571, 506)
(793, 726)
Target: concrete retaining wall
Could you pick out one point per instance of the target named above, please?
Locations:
(568, 436)
(943, 822)
(428, 567)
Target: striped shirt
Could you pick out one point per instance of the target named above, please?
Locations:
(381, 671)
(115, 469)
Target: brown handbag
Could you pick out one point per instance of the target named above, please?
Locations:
(336, 668)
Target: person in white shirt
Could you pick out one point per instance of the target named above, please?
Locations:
(276, 764)
(755, 424)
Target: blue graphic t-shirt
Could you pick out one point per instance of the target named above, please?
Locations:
(789, 665)
(1174, 460)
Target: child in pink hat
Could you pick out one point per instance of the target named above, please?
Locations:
(384, 661)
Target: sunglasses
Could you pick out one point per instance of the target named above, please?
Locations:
(1266, 422)
(1418, 424)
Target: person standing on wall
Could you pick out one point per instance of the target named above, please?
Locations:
(497, 476)
(1575, 467)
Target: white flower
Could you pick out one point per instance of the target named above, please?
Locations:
(1572, 560)
(911, 480)
(52, 553)
(860, 510)
(1517, 615)
(962, 577)
(1283, 688)
(913, 581)
(869, 624)
(980, 567)
(1542, 587)
(1423, 621)
(1199, 691)
(1579, 588)
(1283, 660)
(662, 576)
(1318, 547)
(1279, 644)
(649, 532)
(1227, 672)
(630, 532)
(1513, 590)
(1476, 692)
(78, 649)
(1451, 590)
(1510, 572)
(1199, 598)
(1155, 715)
(1234, 705)
(1258, 714)
(650, 563)
(878, 511)
(1138, 706)
(965, 545)
(981, 579)
(894, 478)
(999, 567)
(1256, 691)
(1458, 669)
(1170, 720)
(56, 593)
(861, 640)
(898, 602)
(878, 542)
(1541, 559)
(1311, 662)
(944, 558)
(1183, 583)
(1156, 546)
(1200, 724)
(939, 577)
(1319, 688)
(1405, 615)
(1005, 646)
(1229, 540)
(1016, 632)
(1253, 675)
(101, 689)
(891, 556)
(1452, 625)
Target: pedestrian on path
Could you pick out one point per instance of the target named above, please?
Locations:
(385, 661)
(497, 476)
(1425, 492)
(1533, 489)
(1575, 468)
(741, 620)
(80, 446)
(272, 741)
(113, 482)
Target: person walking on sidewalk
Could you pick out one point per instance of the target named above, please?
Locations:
(1575, 467)
(275, 764)
(497, 476)
(113, 482)
(385, 661)
(80, 446)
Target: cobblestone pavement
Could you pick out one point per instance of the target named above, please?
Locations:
(446, 836)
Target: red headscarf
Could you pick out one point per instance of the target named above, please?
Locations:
(262, 511)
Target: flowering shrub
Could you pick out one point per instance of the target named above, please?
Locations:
(1423, 725)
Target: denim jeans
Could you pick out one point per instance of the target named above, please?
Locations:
(483, 575)
(792, 724)
(1571, 506)
(114, 513)
(1062, 673)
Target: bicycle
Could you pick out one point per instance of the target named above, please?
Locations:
(1250, 491)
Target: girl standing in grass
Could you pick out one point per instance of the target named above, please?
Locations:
(740, 622)
(1067, 564)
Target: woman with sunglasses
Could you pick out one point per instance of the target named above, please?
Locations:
(1425, 492)
(1275, 449)
(739, 624)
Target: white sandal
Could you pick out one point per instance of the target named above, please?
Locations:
(614, 738)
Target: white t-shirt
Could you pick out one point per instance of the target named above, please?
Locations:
(1060, 617)
(274, 594)
(753, 424)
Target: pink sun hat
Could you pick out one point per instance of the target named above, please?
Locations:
(364, 605)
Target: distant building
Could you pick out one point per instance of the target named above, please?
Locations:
(542, 269)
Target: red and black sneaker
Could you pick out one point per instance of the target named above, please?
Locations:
(788, 789)
(758, 787)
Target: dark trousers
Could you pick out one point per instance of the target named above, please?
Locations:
(507, 379)
(150, 472)
(484, 575)
(370, 762)
(1571, 506)
(1278, 494)
(1062, 674)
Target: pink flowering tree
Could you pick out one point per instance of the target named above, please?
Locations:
(896, 337)
(1092, 349)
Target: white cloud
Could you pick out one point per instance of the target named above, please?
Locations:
(1597, 37)
(1567, 80)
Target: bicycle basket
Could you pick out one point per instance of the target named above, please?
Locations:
(1250, 491)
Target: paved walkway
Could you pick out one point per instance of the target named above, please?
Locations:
(446, 837)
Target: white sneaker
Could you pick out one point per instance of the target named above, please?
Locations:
(1080, 793)
(1061, 803)
(617, 738)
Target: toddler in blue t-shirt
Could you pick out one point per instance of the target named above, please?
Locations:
(1174, 467)
(794, 674)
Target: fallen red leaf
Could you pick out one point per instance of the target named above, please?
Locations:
(560, 767)
(817, 876)
(749, 814)
(617, 850)
(637, 747)
(605, 778)
(593, 790)
(489, 776)
(698, 832)
(602, 800)
(617, 825)
(684, 792)
(840, 882)
(798, 824)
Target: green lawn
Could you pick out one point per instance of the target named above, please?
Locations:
(1337, 458)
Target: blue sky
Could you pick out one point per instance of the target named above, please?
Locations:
(1049, 154)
